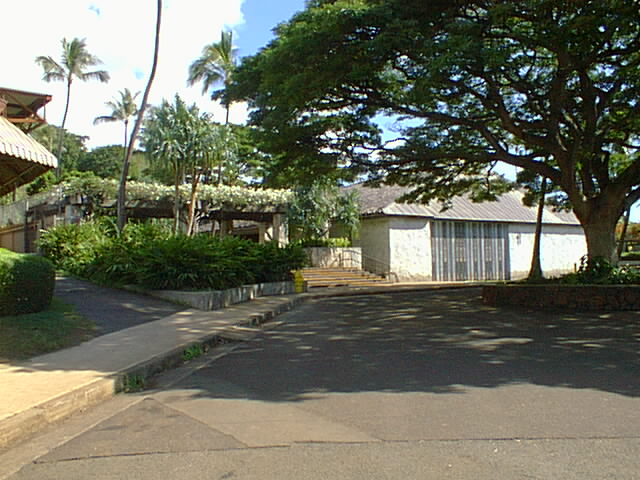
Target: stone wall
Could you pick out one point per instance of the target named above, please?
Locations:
(570, 297)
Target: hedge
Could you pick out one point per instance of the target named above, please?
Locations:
(151, 257)
(26, 283)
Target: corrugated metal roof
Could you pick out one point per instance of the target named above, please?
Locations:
(22, 159)
(508, 208)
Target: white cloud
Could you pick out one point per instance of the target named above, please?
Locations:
(121, 34)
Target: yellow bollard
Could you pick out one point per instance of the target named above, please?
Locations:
(298, 281)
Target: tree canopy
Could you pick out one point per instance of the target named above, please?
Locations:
(186, 142)
(548, 86)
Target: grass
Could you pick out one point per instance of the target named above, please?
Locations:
(194, 351)
(25, 336)
(133, 383)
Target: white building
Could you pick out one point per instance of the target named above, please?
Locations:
(469, 241)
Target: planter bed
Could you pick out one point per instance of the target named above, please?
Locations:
(217, 299)
(570, 297)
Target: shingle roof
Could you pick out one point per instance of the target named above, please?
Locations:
(22, 159)
(508, 208)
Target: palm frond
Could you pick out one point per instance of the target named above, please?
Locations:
(101, 75)
(52, 69)
(215, 64)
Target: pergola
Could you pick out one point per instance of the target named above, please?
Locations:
(22, 159)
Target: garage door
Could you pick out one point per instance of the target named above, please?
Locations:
(469, 251)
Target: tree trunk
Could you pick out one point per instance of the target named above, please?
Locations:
(122, 189)
(535, 273)
(176, 200)
(623, 233)
(192, 202)
(226, 138)
(601, 237)
(61, 133)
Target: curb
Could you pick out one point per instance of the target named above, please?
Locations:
(21, 426)
(24, 424)
(389, 290)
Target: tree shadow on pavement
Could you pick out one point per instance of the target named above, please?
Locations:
(438, 342)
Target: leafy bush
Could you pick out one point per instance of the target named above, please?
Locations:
(325, 242)
(116, 259)
(599, 271)
(73, 248)
(26, 283)
(151, 257)
(204, 262)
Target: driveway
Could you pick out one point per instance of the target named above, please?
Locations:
(399, 386)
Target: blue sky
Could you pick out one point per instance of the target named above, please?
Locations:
(260, 18)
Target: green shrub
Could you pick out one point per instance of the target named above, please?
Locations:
(26, 283)
(117, 259)
(150, 256)
(325, 242)
(599, 271)
(73, 248)
(204, 262)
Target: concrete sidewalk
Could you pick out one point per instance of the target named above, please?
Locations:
(38, 392)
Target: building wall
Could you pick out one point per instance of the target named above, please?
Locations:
(12, 238)
(404, 244)
(561, 248)
(410, 248)
(374, 241)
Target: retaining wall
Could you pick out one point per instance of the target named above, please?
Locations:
(217, 299)
(571, 297)
(336, 257)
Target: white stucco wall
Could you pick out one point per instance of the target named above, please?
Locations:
(410, 248)
(561, 248)
(374, 242)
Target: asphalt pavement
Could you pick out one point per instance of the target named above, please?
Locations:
(111, 309)
(411, 385)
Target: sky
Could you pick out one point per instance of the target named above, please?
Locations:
(121, 34)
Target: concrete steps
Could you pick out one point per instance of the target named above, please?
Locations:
(341, 277)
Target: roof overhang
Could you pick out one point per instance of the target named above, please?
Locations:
(22, 107)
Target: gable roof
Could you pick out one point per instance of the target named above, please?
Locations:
(508, 208)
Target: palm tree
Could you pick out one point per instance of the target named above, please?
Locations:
(215, 65)
(74, 61)
(122, 188)
(122, 110)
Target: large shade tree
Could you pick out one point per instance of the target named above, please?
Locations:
(74, 63)
(548, 86)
